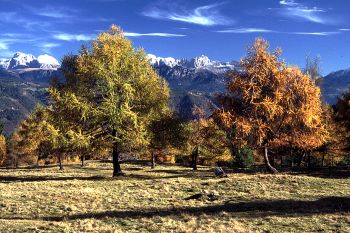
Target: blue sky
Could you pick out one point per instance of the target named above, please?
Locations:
(182, 29)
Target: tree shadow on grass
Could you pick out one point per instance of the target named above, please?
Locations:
(171, 176)
(328, 205)
(29, 167)
(8, 179)
(327, 173)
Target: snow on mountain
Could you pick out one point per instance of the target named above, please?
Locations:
(23, 60)
(158, 61)
(48, 62)
(197, 63)
(28, 61)
(4, 63)
(201, 62)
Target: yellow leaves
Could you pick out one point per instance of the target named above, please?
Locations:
(276, 100)
(78, 139)
(2, 149)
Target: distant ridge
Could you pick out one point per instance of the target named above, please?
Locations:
(28, 61)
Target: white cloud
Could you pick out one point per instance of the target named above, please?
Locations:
(47, 46)
(207, 15)
(159, 34)
(6, 53)
(54, 12)
(19, 20)
(315, 33)
(344, 29)
(246, 30)
(263, 30)
(298, 11)
(73, 37)
(3, 45)
(288, 3)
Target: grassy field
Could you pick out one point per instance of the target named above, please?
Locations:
(145, 200)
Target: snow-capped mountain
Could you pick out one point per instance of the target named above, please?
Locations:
(158, 61)
(201, 62)
(334, 84)
(48, 62)
(4, 63)
(25, 61)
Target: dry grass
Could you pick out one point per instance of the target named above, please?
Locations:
(145, 200)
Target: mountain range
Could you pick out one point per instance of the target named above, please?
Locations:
(24, 80)
(29, 61)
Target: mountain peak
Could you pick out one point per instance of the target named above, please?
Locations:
(157, 61)
(196, 63)
(47, 61)
(22, 60)
(201, 61)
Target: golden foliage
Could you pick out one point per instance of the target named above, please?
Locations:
(271, 103)
(2, 149)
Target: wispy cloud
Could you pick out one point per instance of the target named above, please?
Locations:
(344, 29)
(19, 20)
(73, 37)
(263, 30)
(288, 3)
(246, 30)
(3, 45)
(207, 15)
(315, 33)
(159, 34)
(301, 12)
(47, 46)
(53, 12)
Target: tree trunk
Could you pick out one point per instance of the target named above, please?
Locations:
(301, 159)
(322, 162)
(270, 168)
(37, 162)
(281, 161)
(309, 160)
(82, 157)
(117, 171)
(60, 162)
(195, 158)
(272, 162)
(153, 160)
(15, 161)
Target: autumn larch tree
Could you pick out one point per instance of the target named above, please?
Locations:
(269, 102)
(3, 145)
(342, 119)
(111, 93)
(204, 136)
(167, 131)
(35, 138)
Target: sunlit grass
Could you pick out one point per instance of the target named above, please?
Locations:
(89, 200)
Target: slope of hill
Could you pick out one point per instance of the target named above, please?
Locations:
(193, 81)
(196, 81)
(334, 84)
(17, 98)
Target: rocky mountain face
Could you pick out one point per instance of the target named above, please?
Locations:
(18, 98)
(24, 80)
(334, 84)
(29, 61)
(193, 81)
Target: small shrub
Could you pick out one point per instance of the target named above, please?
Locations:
(244, 158)
(344, 162)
